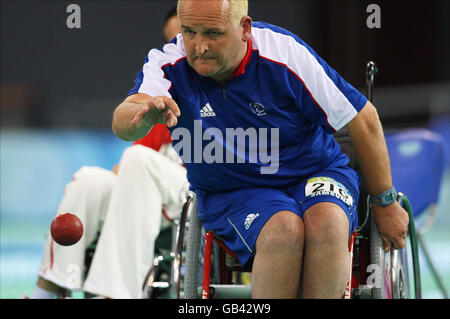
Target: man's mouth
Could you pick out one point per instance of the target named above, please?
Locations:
(203, 58)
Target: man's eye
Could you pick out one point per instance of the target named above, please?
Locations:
(214, 33)
(189, 31)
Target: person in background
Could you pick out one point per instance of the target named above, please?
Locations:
(124, 207)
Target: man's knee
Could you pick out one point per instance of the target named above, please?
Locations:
(283, 232)
(94, 179)
(137, 155)
(326, 223)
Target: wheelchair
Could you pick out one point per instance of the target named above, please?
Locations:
(209, 269)
(158, 281)
(373, 273)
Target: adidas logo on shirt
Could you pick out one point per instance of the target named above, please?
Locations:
(207, 111)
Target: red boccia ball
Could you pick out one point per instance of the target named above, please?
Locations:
(66, 229)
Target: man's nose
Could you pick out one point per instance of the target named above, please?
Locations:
(201, 46)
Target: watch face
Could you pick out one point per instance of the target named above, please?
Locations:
(385, 198)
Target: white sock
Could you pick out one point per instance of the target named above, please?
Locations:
(41, 293)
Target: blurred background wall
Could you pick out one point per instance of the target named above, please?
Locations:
(53, 76)
(59, 87)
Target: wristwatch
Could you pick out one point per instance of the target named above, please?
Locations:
(385, 198)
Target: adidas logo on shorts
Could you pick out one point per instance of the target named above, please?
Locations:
(249, 220)
(207, 111)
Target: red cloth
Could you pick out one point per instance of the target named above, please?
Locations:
(241, 68)
(158, 136)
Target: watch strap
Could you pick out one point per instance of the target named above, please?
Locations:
(385, 198)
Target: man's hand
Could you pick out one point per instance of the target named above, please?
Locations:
(392, 223)
(138, 113)
(158, 109)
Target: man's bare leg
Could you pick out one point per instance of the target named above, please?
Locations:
(277, 264)
(326, 259)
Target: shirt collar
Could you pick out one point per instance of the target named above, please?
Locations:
(241, 68)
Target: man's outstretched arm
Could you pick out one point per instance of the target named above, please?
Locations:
(367, 137)
(138, 113)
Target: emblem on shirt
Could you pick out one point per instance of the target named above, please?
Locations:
(207, 111)
(258, 109)
(249, 220)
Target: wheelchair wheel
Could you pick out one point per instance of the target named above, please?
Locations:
(156, 285)
(390, 277)
(399, 274)
(178, 246)
(192, 262)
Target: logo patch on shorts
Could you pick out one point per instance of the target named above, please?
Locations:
(317, 186)
(249, 220)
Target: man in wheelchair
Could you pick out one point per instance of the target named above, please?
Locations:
(225, 73)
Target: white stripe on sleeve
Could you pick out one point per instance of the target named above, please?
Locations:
(285, 50)
(154, 83)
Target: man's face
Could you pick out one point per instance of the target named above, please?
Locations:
(212, 43)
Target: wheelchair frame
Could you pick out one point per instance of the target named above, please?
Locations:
(389, 279)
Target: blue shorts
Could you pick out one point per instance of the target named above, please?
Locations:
(238, 216)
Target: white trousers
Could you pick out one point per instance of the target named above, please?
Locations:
(127, 209)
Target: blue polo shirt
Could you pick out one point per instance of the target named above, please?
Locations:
(271, 125)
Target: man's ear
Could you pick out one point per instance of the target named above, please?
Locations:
(246, 23)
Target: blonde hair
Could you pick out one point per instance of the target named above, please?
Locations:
(238, 9)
